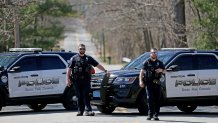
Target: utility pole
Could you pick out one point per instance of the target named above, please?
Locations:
(103, 42)
(16, 23)
(16, 29)
(99, 43)
(180, 19)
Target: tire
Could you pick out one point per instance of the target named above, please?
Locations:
(69, 102)
(106, 109)
(1, 102)
(187, 108)
(142, 104)
(37, 107)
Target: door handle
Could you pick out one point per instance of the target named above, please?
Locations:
(34, 75)
(64, 73)
(191, 75)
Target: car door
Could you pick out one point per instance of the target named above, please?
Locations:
(180, 82)
(53, 69)
(207, 65)
(23, 77)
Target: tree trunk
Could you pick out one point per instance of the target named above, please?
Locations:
(146, 39)
(181, 24)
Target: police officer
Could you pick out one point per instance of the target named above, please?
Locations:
(78, 74)
(150, 79)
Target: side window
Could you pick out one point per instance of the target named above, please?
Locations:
(67, 56)
(50, 62)
(184, 62)
(27, 64)
(207, 62)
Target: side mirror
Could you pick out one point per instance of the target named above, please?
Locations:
(1, 68)
(173, 68)
(16, 68)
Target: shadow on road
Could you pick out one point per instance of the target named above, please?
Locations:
(30, 112)
(178, 116)
(162, 114)
(193, 114)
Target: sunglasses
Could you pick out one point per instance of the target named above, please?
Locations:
(82, 48)
(154, 52)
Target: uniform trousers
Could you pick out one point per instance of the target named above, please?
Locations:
(82, 88)
(153, 98)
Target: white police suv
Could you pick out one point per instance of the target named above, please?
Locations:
(30, 76)
(191, 80)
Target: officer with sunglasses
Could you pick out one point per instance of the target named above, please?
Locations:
(149, 79)
(78, 74)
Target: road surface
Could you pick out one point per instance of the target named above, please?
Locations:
(77, 34)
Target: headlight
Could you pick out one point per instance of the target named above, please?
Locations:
(126, 80)
(111, 78)
(4, 79)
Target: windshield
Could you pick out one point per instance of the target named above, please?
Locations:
(138, 62)
(6, 60)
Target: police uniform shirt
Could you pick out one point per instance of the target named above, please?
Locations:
(151, 66)
(89, 59)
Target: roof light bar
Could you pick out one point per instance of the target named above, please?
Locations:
(178, 49)
(25, 49)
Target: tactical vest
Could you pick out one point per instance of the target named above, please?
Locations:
(151, 75)
(81, 69)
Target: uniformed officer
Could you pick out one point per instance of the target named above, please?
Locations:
(149, 78)
(78, 74)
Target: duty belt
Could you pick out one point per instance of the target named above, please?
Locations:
(79, 76)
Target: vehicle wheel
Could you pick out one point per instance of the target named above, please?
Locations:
(142, 104)
(1, 102)
(187, 108)
(69, 102)
(106, 109)
(37, 107)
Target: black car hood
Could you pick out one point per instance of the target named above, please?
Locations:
(133, 72)
(121, 73)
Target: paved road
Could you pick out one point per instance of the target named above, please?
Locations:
(56, 114)
(77, 34)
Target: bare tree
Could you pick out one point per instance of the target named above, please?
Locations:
(10, 19)
(134, 26)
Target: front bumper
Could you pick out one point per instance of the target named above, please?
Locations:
(113, 95)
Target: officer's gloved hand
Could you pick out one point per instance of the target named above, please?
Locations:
(107, 73)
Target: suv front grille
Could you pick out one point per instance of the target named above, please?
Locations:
(96, 83)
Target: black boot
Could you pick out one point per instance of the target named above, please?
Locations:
(149, 117)
(156, 118)
(89, 113)
(79, 113)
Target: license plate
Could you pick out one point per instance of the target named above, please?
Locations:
(96, 93)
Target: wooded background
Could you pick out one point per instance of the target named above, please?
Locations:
(32, 23)
(119, 28)
(127, 28)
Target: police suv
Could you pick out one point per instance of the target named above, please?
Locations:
(30, 76)
(191, 80)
